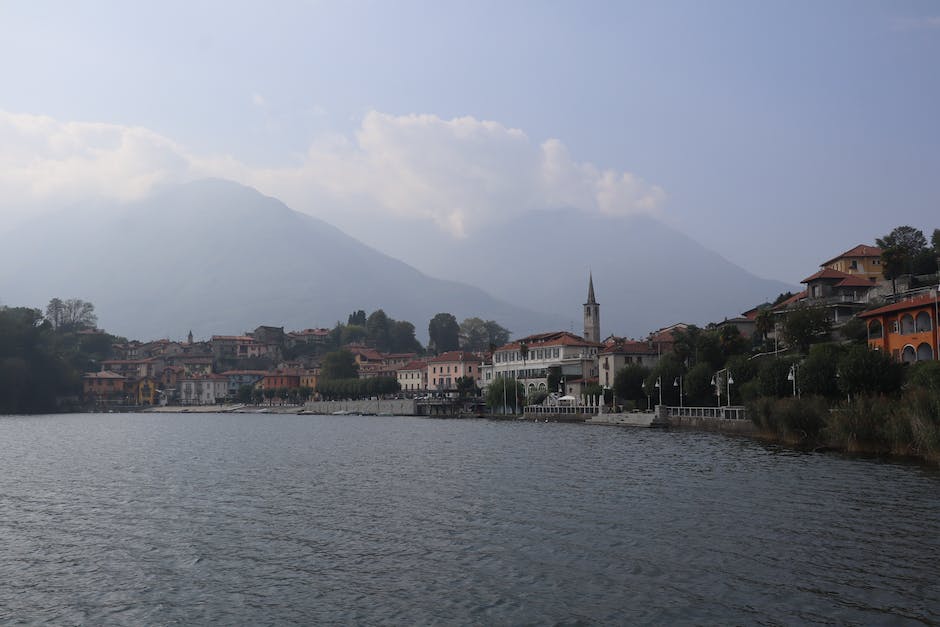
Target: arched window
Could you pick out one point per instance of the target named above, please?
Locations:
(908, 355)
(542, 387)
(924, 352)
(907, 324)
(923, 322)
(875, 330)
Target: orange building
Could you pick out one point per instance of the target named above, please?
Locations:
(907, 330)
(275, 380)
(103, 385)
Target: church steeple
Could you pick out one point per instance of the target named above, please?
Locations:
(592, 314)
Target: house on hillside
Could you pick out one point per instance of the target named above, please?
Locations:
(103, 386)
(862, 261)
(907, 330)
(843, 294)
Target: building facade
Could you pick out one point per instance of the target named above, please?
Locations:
(906, 330)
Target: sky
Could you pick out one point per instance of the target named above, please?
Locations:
(778, 134)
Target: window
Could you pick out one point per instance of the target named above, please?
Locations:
(875, 330)
(923, 323)
(924, 352)
(908, 355)
(907, 324)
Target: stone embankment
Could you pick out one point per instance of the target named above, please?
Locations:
(384, 407)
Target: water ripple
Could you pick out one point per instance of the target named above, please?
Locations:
(239, 519)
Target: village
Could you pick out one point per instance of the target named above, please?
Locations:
(271, 366)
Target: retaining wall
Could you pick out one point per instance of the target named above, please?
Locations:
(385, 407)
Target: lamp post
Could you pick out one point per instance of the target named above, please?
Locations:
(647, 393)
(678, 383)
(716, 381)
(792, 377)
(659, 386)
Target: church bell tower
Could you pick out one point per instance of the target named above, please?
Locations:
(592, 315)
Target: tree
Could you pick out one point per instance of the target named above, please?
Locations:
(357, 318)
(444, 333)
(505, 395)
(73, 314)
(473, 335)
(864, 371)
(665, 372)
(339, 365)
(401, 337)
(817, 374)
(498, 335)
(764, 322)
(899, 249)
(804, 325)
(243, 395)
(466, 386)
(353, 333)
(628, 382)
(377, 330)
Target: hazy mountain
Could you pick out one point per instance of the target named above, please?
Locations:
(216, 257)
(646, 274)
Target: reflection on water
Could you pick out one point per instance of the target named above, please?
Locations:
(247, 519)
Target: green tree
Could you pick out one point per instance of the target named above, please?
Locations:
(804, 325)
(357, 318)
(697, 386)
(72, 314)
(864, 371)
(243, 395)
(899, 250)
(353, 334)
(498, 335)
(816, 375)
(466, 386)
(377, 330)
(628, 382)
(665, 372)
(772, 377)
(444, 333)
(505, 395)
(339, 365)
(401, 338)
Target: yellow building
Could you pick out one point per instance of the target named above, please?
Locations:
(863, 261)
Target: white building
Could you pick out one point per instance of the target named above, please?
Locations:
(531, 358)
(207, 389)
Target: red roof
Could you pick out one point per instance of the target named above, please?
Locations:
(456, 356)
(555, 338)
(861, 250)
(842, 279)
(413, 365)
(904, 305)
(232, 338)
(104, 374)
(793, 299)
(630, 348)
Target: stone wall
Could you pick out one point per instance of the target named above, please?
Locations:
(385, 407)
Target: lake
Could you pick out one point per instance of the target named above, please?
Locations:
(278, 519)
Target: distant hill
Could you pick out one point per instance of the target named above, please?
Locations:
(647, 275)
(217, 257)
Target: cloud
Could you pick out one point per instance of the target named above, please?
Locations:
(258, 100)
(460, 173)
(927, 22)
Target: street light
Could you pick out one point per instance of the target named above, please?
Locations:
(792, 377)
(659, 386)
(678, 384)
(716, 381)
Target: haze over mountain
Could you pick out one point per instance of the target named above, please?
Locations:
(646, 274)
(217, 257)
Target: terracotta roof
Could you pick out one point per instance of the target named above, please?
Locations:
(793, 299)
(861, 250)
(630, 348)
(856, 281)
(105, 374)
(232, 338)
(827, 273)
(232, 373)
(904, 305)
(555, 338)
(413, 365)
(456, 356)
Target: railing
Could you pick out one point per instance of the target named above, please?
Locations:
(734, 412)
(561, 410)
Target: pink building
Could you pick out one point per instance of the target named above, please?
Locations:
(445, 369)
